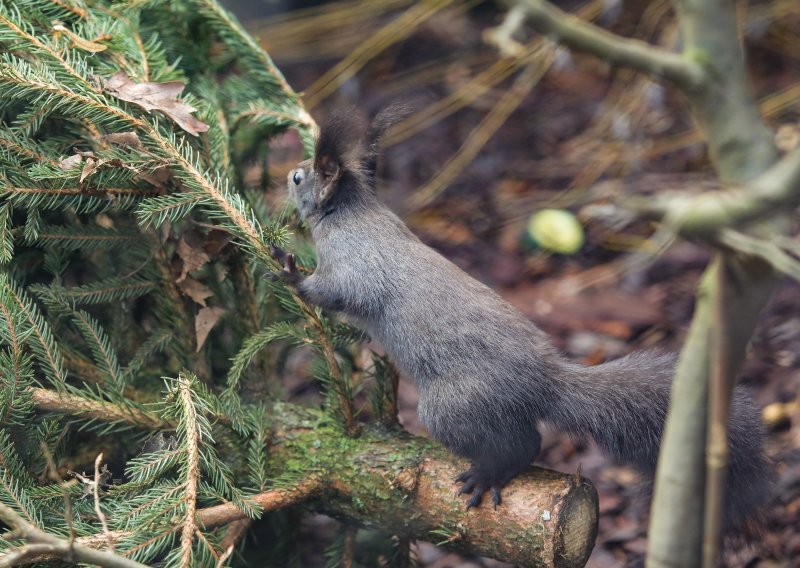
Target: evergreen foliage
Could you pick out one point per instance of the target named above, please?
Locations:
(120, 229)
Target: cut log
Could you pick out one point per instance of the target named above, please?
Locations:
(404, 484)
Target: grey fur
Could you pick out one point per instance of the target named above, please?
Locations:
(487, 376)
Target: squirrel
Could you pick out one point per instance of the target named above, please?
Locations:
(487, 375)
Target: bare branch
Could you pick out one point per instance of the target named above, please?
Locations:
(219, 515)
(705, 214)
(583, 36)
(721, 383)
(233, 535)
(41, 543)
(208, 518)
(767, 250)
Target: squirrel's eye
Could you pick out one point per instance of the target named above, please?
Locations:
(298, 177)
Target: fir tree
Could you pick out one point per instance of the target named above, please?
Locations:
(132, 250)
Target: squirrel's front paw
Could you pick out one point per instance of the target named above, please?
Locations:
(289, 273)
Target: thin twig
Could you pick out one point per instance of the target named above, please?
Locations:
(399, 28)
(52, 472)
(777, 188)
(219, 515)
(767, 250)
(97, 508)
(235, 532)
(478, 138)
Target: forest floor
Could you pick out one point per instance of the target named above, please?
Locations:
(584, 132)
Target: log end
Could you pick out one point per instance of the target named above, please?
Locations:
(546, 518)
(578, 525)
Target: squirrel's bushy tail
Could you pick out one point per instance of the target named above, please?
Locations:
(623, 405)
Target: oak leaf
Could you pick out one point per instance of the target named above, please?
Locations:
(196, 290)
(191, 254)
(70, 162)
(205, 321)
(124, 139)
(156, 96)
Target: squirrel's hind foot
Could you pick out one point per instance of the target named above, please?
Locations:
(477, 484)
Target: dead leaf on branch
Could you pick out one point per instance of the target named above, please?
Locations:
(190, 250)
(90, 166)
(70, 162)
(196, 290)
(205, 321)
(156, 96)
(124, 139)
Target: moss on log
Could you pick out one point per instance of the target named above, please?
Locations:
(396, 482)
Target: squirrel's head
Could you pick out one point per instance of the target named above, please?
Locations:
(342, 170)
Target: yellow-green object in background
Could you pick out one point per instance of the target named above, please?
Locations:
(556, 230)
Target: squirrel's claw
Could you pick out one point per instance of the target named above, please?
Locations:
(496, 497)
(476, 498)
(468, 487)
(477, 485)
(289, 273)
(464, 476)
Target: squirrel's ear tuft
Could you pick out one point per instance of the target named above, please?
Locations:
(382, 122)
(339, 140)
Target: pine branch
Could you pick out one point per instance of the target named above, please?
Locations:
(113, 289)
(94, 335)
(73, 405)
(44, 347)
(84, 237)
(6, 237)
(237, 38)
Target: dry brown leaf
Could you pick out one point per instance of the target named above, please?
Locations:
(158, 178)
(193, 257)
(196, 290)
(70, 162)
(78, 41)
(205, 321)
(90, 166)
(156, 96)
(125, 139)
(216, 241)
